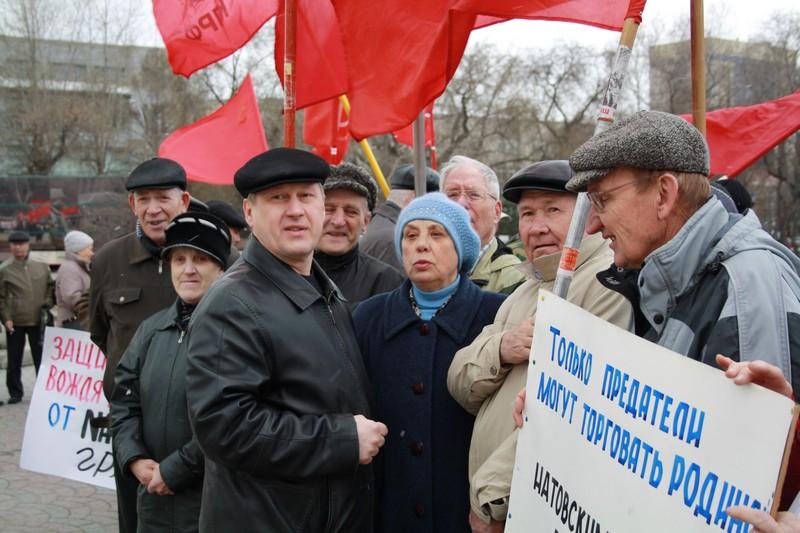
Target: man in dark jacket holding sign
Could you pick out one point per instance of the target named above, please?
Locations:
(276, 388)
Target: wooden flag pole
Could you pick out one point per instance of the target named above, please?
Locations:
(365, 147)
(420, 172)
(569, 254)
(698, 67)
(289, 57)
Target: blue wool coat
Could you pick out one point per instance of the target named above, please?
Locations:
(421, 471)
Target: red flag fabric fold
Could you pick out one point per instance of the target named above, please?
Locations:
(212, 149)
(198, 33)
(320, 69)
(406, 135)
(325, 128)
(739, 136)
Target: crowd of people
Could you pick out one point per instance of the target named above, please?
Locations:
(354, 367)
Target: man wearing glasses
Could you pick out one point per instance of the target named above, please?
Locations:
(475, 186)
(702, 281)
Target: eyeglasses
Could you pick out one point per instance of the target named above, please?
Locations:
(471, 195)
(599, 199)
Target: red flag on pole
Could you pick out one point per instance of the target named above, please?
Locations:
(320, 66)
(609, 14)
(198, 33)
(739, 136)
(325, 128)
(406, 135)
(212, 149)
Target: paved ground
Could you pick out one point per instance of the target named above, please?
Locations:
(41, 503)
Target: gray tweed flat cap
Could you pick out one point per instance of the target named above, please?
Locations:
(649, 140)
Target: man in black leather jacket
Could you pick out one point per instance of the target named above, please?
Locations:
(277, 392)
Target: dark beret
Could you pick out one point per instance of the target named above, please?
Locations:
(738, 193)
(279, 166)
(649, 140)
(227, 213)
(540, 176)
(353, 178)
(19, 236)
(201, 231)
(157, 173)
(403, 178)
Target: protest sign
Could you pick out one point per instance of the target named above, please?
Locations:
(59, 439)
(622, 435)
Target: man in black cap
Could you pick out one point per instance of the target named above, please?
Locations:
(26, 294)
(276, 387)
(130, 282)
(232, 218)
(379, 239)
(349, 200)
(486, 376)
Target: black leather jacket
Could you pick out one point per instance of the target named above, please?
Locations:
(275, 376)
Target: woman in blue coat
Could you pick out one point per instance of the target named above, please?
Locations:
(408, 338)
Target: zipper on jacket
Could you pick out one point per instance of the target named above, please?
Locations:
(180, 337)
(345, 352)
(160, 266)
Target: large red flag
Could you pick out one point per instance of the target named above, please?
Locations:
(325, 128)
(421, 44)
(320, 67)
(739, 136)
(198, 33)
(406, 135)
(212, 149)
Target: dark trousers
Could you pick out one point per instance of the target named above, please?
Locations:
(127, 486)
(15, 343)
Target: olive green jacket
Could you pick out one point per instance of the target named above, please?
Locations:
(497, 269)
(26, 289)
(486, 388)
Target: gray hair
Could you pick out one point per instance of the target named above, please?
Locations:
(492, 183)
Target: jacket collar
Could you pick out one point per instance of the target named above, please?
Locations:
(137, 253)
(289, 282)
(453, 319)
(545, 268)
(336, 262)
(171, 319)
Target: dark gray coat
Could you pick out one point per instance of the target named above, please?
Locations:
(378, 242)
(358, 275)
(150, 421)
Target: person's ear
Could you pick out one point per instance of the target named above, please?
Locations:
(668, 192)
(132, 202)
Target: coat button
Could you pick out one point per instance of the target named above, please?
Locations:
(423, 329)
(658, 318)
(419, 510)
(416, 448)
(418, 388)
(493, 370)
(121, 298)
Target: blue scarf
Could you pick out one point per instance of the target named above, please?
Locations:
(429, 303)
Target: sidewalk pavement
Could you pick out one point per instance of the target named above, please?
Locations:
(38, 502)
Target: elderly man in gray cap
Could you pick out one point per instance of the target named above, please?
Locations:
(485, 376)
(350, 196)
(379, 239)
(709, 281)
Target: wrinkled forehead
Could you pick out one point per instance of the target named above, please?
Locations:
(464, 176)
(536, 197)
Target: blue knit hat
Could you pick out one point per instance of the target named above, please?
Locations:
(438, 208)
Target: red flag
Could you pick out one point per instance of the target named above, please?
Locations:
(738, 136)
(320, 67)
(406, 135)
(325, 128)
(198, 33)
(421, 44)
(212, 149)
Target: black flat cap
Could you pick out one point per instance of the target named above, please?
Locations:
(403, 178)
(19, 236)
(157, 173)
(279, 166)
(541, 176)
(227, 213)
(201, 231)
(353, 178)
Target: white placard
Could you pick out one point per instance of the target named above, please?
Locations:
(622, 435)
(59, 440)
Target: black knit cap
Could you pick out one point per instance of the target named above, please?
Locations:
(227, 213)
(279, 166)
(201, 231)
(19, 236)
(157, 173)
(353, 178)
(541, 176)
(403, 178)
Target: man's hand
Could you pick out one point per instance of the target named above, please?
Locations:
(143, 470)
(515, 345)
(479, 526)
(758, 372)
(763, 522)
(157, 485)
(519, 405)
(371, 436)
(9, 324)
